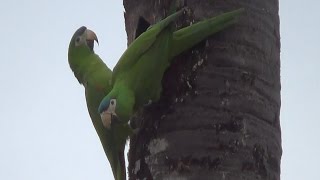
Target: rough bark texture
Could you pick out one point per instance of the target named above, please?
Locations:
(218, 117)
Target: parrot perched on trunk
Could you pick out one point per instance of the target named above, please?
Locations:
(95, 76)
(136, 79)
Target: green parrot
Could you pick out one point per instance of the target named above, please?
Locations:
(95, 76)
(136, 78)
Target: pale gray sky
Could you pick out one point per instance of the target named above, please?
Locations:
(45, 129)
(300, 77)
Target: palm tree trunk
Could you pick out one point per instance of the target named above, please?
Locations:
(218, 117)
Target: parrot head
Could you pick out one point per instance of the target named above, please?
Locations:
(107, 111)
(83, 38)
(81, 46)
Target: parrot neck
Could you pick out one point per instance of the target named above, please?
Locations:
(86, 69)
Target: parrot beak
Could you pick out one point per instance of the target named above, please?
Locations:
(107, 118)
(91, 36)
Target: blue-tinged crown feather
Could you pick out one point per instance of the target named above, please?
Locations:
(104, 105)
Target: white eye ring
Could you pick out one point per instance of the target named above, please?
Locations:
(113, 102)
(112, 106)
(78, 41)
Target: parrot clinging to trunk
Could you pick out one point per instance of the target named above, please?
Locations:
(136, 79)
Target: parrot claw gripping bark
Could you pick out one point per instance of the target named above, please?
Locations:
(136, 78)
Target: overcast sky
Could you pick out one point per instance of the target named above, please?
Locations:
(45, 129)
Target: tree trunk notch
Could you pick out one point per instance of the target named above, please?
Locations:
(218, 117)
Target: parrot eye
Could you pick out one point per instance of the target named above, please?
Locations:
(78, 41)
(113, 102)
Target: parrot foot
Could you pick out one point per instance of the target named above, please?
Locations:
(148, 104)
(136, 131)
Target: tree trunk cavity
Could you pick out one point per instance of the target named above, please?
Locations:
(218, 117)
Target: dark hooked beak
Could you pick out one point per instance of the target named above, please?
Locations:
(91, 36)
(108, 118)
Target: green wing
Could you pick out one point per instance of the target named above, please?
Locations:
(139, 46)
(189, 36)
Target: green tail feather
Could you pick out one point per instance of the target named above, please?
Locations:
(187, 37)
(121, 171)
(118, 165)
